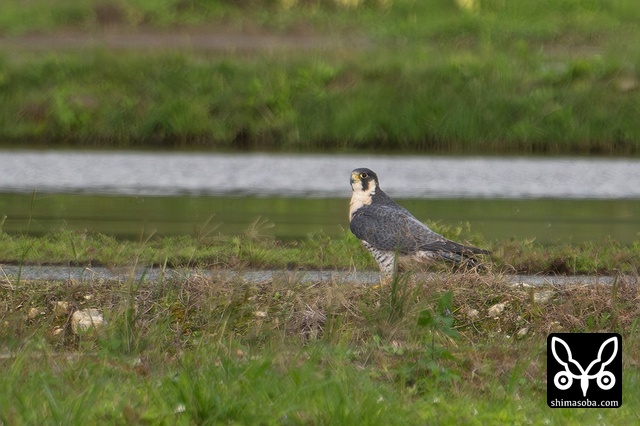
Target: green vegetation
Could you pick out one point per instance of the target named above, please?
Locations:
(316, 252)
(204, 351)
(554, 77)
(533, 77)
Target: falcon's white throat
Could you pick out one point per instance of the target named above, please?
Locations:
(361, 196)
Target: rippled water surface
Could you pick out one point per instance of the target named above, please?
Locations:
(316, 175)
(131, 194)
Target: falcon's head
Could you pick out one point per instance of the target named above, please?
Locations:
(364, 180)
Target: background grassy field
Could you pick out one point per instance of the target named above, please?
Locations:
(506, 77)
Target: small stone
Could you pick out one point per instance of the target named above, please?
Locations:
(60, 309)
(543, 296)
(87, 320)
(496, 309)
(555, 327)
(626, 84)
(472, 313)
(34, 312)
(57, 331)
(522, 332)
(261, 314)
(521, 285)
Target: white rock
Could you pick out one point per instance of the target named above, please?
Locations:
(60, 309)
(496, 309)
(521, 285)
(33, 312)
(522, 332)
(555, 327)
(543, 296)
(85, 321)
(472, 313)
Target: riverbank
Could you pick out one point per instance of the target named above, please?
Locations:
(398, 77)
(317, 252)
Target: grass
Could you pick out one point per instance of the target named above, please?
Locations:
(544, 78)
(537, 77)
(207, 351)
(583, 20)
(316, 252)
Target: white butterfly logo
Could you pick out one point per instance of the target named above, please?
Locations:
(564, 379)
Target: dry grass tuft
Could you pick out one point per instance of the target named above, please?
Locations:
(469, 326)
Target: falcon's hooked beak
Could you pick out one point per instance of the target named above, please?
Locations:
(355, 177)
(356, 182)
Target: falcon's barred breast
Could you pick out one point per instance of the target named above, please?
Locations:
(389, 231)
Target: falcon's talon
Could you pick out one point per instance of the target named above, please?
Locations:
(389, 231)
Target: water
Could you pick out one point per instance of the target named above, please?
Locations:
(59, 273)
(546, 220)
(142, 173)
(289, 196)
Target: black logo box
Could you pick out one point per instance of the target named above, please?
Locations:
(584, 370)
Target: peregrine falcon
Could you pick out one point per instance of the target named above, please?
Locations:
(388, 230)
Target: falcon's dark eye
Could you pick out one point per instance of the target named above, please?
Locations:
(364, 175)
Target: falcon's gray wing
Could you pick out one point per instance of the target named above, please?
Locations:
(394, 228)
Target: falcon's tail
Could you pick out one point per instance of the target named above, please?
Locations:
(463, 256)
